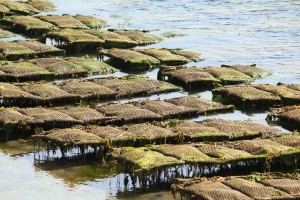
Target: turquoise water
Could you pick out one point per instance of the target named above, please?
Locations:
(264, 32)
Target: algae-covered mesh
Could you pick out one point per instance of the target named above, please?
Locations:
(128, 112)
(145, 159)
(74, 36)
(256, 190)
(28, 24)
(61, 68)
(290, 186)
(41, 48)
(165, 56)
(48, 92)
(132, 59)
(287, 94)
(63, 21)
(194, 56)
(19, 8)
(94, 67)
(247, 95)
(23, 71)
(213, 190)
(200, 104)
(250, 70)
(72, 136)
(224, 153)
(198, 132)
(140, 37)
(13, 116)
(113, 134)
(112, 40)
(190, 76)
(289, 140)
(47, 115)
(42, 5)
(186, 153)
(84, 114)
(166, 109)
(6, 34)
(149, 132)
(262, 146)
(241, 129)
(86, 89)
(227, 75)
(137, 86)
(91, 21)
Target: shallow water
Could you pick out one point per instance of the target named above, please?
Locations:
(264, 32)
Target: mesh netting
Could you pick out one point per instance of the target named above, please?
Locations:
(250, 70)
(148, 131)
(290, 186)
(186, 153)
(47, 115)
(227, 74)
(256, 190)
(87, 89)
(85, 114)
(39, 47)
(194, 56)
(72, 137)
(193, 75)
(63, 21)
(19, 7)
(140, 37)
(261, 146)
(289, 140)
(113, 134)
(47, 91)
(30, 23)
(127, 112)
(8, 115)
(165, 109)
(144, 158)
(165, 56)
(214, 190)
(202, 105)
(74, 36)
(280, 90)
(42, 5)
(90, 21)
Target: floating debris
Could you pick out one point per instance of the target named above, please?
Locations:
(258, 95)
(27, 49)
